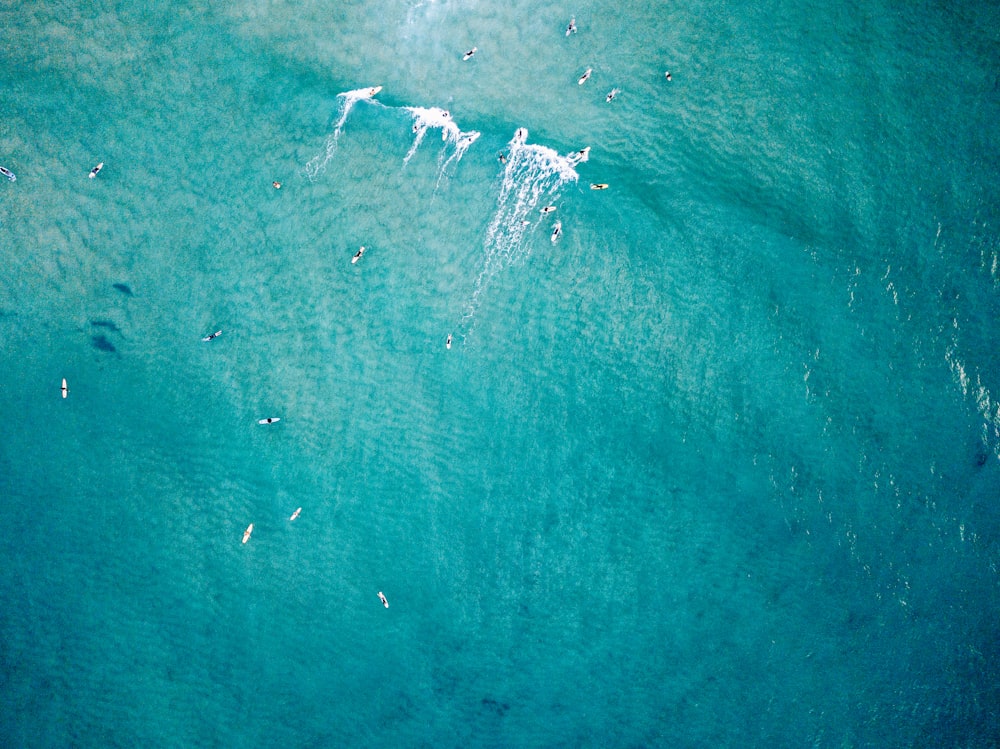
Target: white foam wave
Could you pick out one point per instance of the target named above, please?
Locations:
(426, 118)
(532, 177)
(347, 101)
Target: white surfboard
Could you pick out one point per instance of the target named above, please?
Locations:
(382, 598)
(296, 514)
(247, 532)
(94, 172)
(269, 420)
(65, 390)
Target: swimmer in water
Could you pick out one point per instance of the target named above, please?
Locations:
(357, 255)
(612, 94)
(571, 29)
(470, 53)
(503, 158)
(447, 343)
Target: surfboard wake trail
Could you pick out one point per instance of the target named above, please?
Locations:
(532, 178)
(426, 118)
(317, 164)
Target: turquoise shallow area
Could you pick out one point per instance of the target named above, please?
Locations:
(719, 467)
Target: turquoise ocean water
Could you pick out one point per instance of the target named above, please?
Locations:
(718, 467)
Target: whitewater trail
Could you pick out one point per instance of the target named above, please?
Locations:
(426, 118)
(423, 119)
(532, 178)
(348, 99)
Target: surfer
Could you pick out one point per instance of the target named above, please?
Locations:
(581, 155)
(668, 76)
(276, 185)
(447, 343)
(296, 514)
(585, 76)
(612, 94)
(470, 53)
(382, 598)
(269, 420)
(213, 336)
(598, 186)
(503, 157)
(247, 532)
(571, 29)
(65, 389)
(96, 170)
(357, 255)
(548, 209)
(556, 231)
(8, 173)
